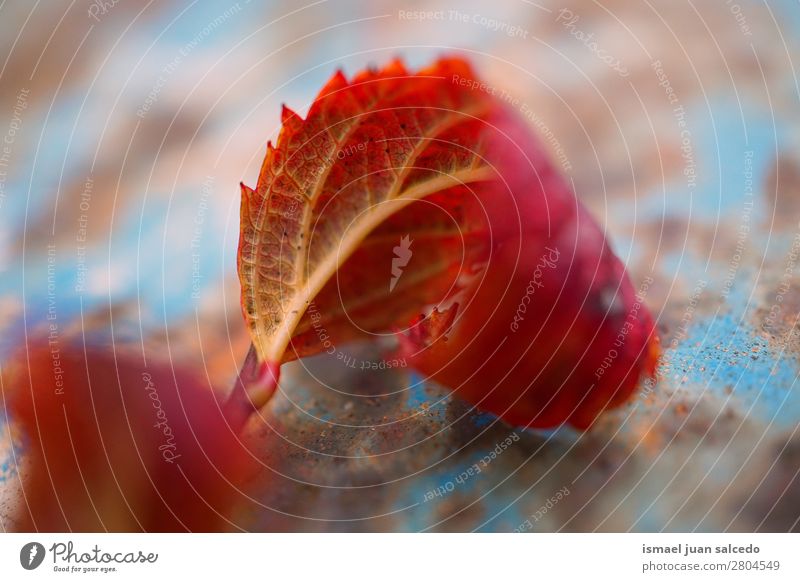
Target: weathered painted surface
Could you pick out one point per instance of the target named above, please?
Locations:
(120, 204)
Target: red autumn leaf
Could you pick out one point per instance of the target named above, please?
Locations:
(400, 192)
(114, 445)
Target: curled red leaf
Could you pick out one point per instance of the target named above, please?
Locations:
(434, 157)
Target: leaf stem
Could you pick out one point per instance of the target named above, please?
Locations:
(255, 385)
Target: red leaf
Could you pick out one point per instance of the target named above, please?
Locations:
(116, 445)
(437, 159)
(336, 193)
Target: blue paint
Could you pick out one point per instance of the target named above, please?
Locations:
(433, 488)
(417, 396)
(720, 141)
(483, 419)
(738, 131)
(717, 354)
(12, 448)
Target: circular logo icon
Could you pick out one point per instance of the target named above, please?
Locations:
(31, 555)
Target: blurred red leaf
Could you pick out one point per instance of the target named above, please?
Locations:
(117, 445)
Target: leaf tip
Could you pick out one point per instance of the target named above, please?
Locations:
(336, 83)
(396, 68)
(247, 193)
(289, 118)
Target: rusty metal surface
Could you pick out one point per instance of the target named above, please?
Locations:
(685, 149)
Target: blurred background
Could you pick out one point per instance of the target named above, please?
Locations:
(126, 127)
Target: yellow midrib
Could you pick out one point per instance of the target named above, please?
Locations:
(272, 345)
(453, 119)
